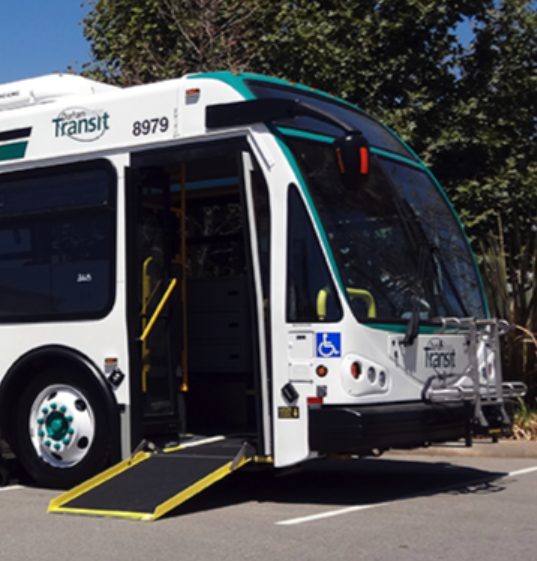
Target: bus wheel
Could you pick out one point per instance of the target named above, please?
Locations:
(61, 437)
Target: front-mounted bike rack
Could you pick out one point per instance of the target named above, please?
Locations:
(482, 382)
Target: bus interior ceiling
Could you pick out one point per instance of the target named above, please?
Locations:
(210, 317)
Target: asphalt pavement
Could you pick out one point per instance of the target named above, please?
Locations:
(413, 506)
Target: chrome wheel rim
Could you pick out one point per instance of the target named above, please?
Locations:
(61, 425)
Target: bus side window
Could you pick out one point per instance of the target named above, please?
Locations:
(307, 272)
(57, 243)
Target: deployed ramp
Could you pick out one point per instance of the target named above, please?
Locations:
(150, 484)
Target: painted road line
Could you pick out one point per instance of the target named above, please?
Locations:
(331, 513)
(357, 508)
(11, 488)
(522, 471)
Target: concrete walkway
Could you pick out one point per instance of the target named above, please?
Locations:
(484, 448)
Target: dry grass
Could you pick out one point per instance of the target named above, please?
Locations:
(525, 422)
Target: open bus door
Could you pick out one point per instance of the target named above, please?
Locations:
(198, 290)
(158, 322)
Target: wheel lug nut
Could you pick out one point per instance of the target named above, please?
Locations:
(69, 419)
(48, 443)
(41, 433)
(40, 421)
(57, 446)
(63, 409)
(66, 441)
(53, 405)
(70, 430)
(44, 410)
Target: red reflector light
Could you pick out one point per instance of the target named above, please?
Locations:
(356, 370)
(364, 160)
(315, 400)
(321, 371)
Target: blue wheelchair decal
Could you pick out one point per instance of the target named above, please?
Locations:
(328, 345)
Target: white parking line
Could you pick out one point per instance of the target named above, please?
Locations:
(330, 514)
(349, 509)
(11, 488)
(521, 471)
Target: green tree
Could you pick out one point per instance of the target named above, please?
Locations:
(140, 41)
(488, 160)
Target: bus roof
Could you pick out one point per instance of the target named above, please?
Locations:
(60, 116)
(46, 89)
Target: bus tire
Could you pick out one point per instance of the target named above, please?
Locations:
(62, 435)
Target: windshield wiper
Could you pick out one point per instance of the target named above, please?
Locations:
(414, 232)
(436, 252)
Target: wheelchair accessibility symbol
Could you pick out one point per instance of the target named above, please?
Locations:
(328, 345)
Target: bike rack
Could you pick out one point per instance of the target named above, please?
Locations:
(476, 385)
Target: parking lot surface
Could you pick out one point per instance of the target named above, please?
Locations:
(398, 507)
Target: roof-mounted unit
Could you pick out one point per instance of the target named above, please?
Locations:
(46, 89)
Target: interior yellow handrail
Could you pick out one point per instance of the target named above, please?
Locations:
(365, 295)
(158, 310)
(322, 300)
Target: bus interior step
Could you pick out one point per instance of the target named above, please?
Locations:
(151, 483)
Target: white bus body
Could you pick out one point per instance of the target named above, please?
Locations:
(115, 201)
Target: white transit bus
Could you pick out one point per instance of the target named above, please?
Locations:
(228, 254)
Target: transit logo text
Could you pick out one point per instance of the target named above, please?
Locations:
(439, 355)
(82, 125)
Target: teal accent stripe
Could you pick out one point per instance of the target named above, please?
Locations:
(14, 151)
(234, 80)
(397, 157)
(330, 139)
(401, 328)
(306, 134)
(324, 239)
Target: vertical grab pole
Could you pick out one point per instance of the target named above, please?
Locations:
(146, 297)
(184, 354)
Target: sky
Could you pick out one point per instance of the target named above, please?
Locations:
(39, 37)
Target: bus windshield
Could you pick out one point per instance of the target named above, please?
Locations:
(376, 134)
(394, 238)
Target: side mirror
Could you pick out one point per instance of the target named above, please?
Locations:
(352, 156)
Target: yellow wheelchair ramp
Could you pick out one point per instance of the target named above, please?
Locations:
(150, 484)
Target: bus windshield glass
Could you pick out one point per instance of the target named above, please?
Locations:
(394, 238)
(376, 134)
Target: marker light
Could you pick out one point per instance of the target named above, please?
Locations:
(356, 370)
(382, 378)
(321, 371)
(364, 160)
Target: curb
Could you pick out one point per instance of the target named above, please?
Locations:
(480, 448)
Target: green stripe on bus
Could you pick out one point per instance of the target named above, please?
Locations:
(401, 328)
(307, 135)
(13, 151)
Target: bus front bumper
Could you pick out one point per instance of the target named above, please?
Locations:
(364, 430)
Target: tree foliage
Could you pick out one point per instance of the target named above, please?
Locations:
(469, 109)
(488, 158)
(139, 41)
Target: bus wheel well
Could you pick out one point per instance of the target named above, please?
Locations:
(30, 365)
